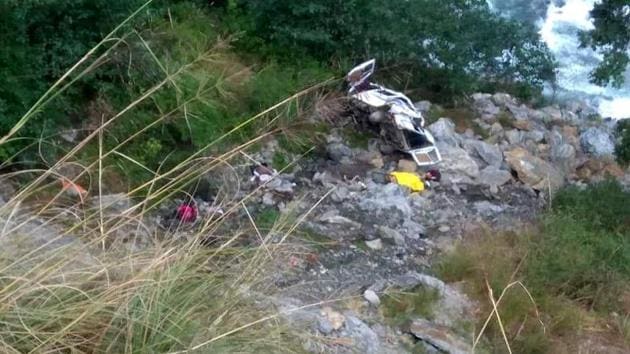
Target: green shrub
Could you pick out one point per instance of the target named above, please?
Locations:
(601, 206)
(571, 258)
(576, 264)
(622, 148)
(40, 41)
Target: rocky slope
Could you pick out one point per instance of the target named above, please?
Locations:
(356, 241)
(385, 238)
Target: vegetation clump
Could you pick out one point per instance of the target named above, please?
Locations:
(566, 274)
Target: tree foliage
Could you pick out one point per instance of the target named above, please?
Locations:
(41, 40)
(463, 40)
(611, 38)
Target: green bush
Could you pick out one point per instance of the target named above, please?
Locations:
(575, 263)
(573, 259)
(40, 41)
(622, 149)
(601, 206)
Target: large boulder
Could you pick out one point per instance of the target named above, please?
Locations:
(597, 141)
(534, 171)
(562, 153)
(444, 131)
(564, 156)
(493, 176)
(490, 154)
(552, 113)
(457, 163)
(485, 106)
(384, 200)
(536, 136)
(520, 113)
(514, 136)
(503, 99)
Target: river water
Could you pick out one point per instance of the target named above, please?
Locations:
(559, 25)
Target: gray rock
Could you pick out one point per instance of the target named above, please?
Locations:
(453, 306)
(407, 165)
(552, 113)
(364, 339)
(536, 136)
(373, 158)
(333, 217)
(457, 163)
(281, 185)
(268, 200)
(413, 229)
(383, 199)
(371, 297)
(564, 156)
(423, 106)
(486, 208)
(503, 99)
(514, 136)
(490, 154)
(325, 326)
(444, 131)
(376, 244)
(493, 176)
(534, 171)
(440, 337)
(112, 203)
(496, 128)
(340, 194)
(519, 112)
(484, 105)
(23, 233)
(391, 234)
(597, 141)
(324, 178)
(338, 151)
(386, 148)
(444, 228)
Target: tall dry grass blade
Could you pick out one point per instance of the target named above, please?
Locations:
(498, 316)
(498, 302)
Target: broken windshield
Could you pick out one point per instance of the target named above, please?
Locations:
(415, 140)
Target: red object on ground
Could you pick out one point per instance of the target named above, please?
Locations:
(433, 175)
(187, 213)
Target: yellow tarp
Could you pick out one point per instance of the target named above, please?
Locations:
(409, 180)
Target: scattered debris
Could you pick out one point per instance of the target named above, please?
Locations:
(407, 179)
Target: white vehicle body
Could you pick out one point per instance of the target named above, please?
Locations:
(400, 111)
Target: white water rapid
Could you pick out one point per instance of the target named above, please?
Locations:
(559, 29)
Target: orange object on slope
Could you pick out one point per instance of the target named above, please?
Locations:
(73, 189)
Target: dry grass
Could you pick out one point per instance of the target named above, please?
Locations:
(80, 276)
(524, 318)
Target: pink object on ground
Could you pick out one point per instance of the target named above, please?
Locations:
(187, 213)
